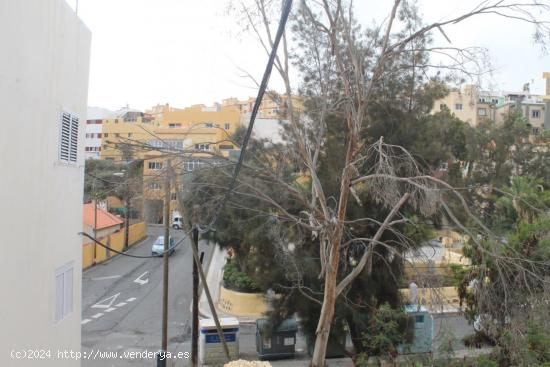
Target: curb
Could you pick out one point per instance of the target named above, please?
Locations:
(201, 288)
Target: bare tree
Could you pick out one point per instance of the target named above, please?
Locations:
(343, 67)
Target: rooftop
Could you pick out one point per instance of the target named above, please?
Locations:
(104, 218)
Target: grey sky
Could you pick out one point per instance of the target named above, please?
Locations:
(185, 52)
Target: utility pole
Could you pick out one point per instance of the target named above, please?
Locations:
(195, 331)
(127, 197)
(95, 223)
(187, 226)
(161, 362)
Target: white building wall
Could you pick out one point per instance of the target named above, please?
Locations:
(44, 66)
(92, 142)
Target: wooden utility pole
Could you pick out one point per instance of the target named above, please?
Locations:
(195, 331)
(95, 223)
(186, 225)
(165, 272)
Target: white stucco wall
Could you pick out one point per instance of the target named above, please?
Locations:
(44, 65)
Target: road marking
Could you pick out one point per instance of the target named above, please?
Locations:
(107, 277)
(131, 299)
(85, 321)
(103, 304)
(121, 304)
(110, 309)
(97, 315)
(140, 281)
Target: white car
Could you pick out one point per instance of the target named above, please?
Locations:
(158, 246)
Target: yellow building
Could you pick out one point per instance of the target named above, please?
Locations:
(474, 106)
(273, 106)
(200, 133)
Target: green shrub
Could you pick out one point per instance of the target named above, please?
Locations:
(237, 280)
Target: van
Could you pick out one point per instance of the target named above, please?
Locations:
(177, 220)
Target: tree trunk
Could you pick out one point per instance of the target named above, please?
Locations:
(325, 320)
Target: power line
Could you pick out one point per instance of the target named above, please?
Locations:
(263, 86)
(130, 255)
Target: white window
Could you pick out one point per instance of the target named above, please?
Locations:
(482, 112)
(458, 106)
(68, 142)
(535, 114)
(226, 126)
(536, 131)
(174, 125)
(154, 185)
(155, 165)
(63, 291)
(442, 106)
(494, 100)
(202, 146)
(190, 166)
(209, 124)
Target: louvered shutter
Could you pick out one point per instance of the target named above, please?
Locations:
(74, 139)
(65, 137)
(68, 150)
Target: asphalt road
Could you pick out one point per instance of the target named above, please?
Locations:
(122, 301)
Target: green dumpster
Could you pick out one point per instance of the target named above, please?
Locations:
(278, 343)
(335, 346)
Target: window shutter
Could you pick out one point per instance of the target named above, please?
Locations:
(58, 297)
(65, 137)
(68, 149)
(74, 139)
(68, 291)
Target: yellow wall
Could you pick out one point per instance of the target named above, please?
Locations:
(136, 233)
(468, 97)
(434, 297)
(242, 304)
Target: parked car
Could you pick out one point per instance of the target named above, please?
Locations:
(158, 246)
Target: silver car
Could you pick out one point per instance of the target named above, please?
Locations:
(158, 246)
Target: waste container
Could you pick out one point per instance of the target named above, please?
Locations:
(210, 346)
(276, 343)
(422, 330)
(335, 346)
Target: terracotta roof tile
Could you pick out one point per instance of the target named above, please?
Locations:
(104, 218)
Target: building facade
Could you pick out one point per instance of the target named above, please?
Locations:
(43, 93)
(92, 139)
(476, 106)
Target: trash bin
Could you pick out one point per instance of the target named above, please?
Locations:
(422, 330)
(278, 343)
(210, 346)
(335, 346)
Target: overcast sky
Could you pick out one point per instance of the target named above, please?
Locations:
(185, 52)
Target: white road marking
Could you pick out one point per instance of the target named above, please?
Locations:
(103, 304)
(110, 309)
(131, 299)
(140, 281)
(97, 315)
(107, 277)
(85, 321)
(121, 304)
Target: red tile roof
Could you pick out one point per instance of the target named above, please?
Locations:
(104, 218)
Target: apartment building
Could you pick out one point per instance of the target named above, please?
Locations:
(474, 106)
(273, 106)
(202, 132)
(43, 94)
